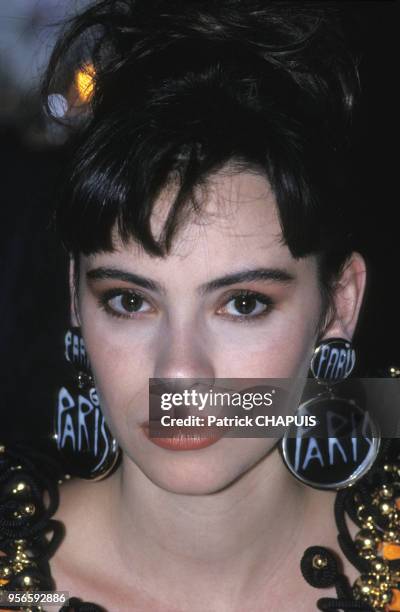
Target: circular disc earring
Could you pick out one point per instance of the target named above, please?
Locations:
(83, 439)
(344, 442)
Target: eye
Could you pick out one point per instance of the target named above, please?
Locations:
(246, 304)
(125, 303)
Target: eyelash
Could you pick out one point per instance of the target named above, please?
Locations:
(259, 297)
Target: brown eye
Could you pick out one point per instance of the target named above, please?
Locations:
(128, 303)
(246, 305)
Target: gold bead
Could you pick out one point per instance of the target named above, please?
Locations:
(386, 597)
(20, 487)
(366, 519)
(319, 562)
(365, 589)
(363, 584)
(386, 492)
(27, 580)
(30, 509)
(379, 566)
(385, 508)
(5, 571)
(365, 540)
(367, 555)
(2, 448)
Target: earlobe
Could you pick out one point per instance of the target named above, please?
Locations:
(348, 296)
(74, 310)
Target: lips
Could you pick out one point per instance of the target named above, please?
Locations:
(187, 438)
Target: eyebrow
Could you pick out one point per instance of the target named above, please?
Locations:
(267, 274)
(129, 277)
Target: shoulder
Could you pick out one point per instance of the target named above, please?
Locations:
(29, 533)
(80, 565)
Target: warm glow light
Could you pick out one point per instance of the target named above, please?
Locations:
(85, 82)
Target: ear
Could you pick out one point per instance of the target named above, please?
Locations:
(348, 295)
(74, 309)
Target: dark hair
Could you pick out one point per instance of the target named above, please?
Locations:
(184, 87)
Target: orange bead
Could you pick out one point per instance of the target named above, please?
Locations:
(394, 605)
(390, 551)
(397, 502)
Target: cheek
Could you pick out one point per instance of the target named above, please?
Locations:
(280, 348)
(121, 369)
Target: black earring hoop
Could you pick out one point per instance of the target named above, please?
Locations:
(345, 442)
(83, 439)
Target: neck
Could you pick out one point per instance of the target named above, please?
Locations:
(227, 543)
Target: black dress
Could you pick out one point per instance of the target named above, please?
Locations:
(29, 536)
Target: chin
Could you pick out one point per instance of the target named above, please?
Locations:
(205, 471)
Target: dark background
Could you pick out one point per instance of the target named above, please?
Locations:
(34, 299)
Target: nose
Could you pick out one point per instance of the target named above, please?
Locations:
(183, 362)
(184, 354)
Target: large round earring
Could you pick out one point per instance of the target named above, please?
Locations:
(344, 442)
(83, 439)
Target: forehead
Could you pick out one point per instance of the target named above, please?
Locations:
(237, 224)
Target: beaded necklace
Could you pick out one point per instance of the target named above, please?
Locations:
(29, 536)
(373, 505)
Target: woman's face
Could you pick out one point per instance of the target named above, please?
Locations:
(195, 314)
